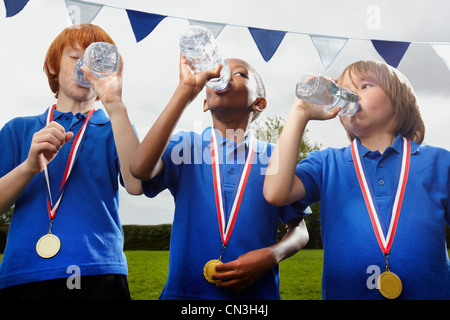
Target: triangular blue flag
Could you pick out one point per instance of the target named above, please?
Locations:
(391, 51)
(267, 41)
(13, 7)
(143, 23)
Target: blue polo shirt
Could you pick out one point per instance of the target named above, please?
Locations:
(87, 221)
(195, 235)
(419, 253)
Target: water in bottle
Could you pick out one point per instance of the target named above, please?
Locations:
(199, 47)
(102, 60)
(324, 91)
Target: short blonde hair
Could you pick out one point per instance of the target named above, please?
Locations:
(408, 120)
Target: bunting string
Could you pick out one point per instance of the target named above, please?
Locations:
(267, 40)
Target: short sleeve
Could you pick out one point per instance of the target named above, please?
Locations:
(447, 208)
(8, 158)
(293, 211)
(173, 158)
(310, 171)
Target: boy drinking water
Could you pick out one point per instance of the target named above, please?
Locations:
(384, 198)
(61, 170)
(223, 243)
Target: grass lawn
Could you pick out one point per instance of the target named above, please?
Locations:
(147, 273)
(300, 275)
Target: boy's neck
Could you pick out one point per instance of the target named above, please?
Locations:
(69, 105)
(378, 142)
(236, 131)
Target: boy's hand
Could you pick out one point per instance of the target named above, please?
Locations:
(194, 83)
(109, 89)
(315, 111)
(245, 270)
(45, 146)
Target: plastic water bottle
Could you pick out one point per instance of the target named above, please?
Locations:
(324, 91)
(102, 60)
(199, 47)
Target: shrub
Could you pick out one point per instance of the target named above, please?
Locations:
(138, 237)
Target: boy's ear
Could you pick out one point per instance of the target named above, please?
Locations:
(50, 68)
(205, 106)
(259, 105)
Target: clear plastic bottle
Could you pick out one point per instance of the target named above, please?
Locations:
(199, 47)
(324, 91)
(102, 60)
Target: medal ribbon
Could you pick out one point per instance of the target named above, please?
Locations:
(385, 243)
(74, 152)
(225, 232)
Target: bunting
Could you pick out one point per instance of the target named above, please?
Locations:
(443, 50)
(13, 7)
(391, 51)
(82, 12)
(328, 48)
(267, 41)
(215, 28)
(143, 23)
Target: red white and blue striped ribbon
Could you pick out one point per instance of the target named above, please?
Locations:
(52, 207)
(225, 231)
(385, 242)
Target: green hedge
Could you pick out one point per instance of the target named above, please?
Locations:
(138, 237)
(3, 235)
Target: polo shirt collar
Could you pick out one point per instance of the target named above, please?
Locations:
(259, 145)
(395, 146)
(98, 117)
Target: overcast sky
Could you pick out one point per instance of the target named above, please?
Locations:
(151, 66)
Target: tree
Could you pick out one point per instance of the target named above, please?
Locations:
(269, 130)
(5, 220)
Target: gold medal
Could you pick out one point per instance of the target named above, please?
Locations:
(48, 246)
(389, 285)
(209, 270)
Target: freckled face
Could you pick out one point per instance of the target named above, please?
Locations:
(376, 112)
(68, 86)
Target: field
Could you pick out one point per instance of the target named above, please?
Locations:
(300, 274)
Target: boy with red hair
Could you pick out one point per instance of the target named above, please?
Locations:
(61, 172)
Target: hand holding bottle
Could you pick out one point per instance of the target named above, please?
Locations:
(108, 89)
(324, 91)
(101, 59)
(194, 83)
(199, 47)
(312, 111)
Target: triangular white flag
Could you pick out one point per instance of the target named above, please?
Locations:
(214, 27)
(82, 12)
(328, 48)
(443, 50)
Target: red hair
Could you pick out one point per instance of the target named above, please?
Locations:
(78, 35)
